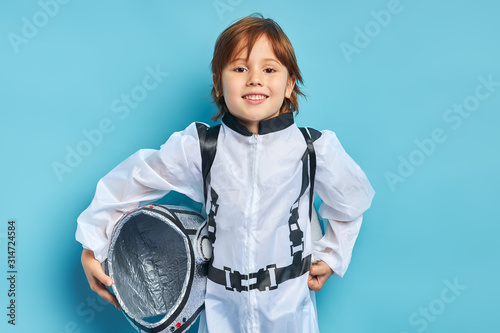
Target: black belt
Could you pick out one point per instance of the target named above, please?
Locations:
(265, 279)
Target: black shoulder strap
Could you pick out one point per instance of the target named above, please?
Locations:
(311, 135)
(208, 147)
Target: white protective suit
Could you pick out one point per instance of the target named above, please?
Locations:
(258, 277)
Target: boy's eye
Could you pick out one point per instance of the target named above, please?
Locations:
(240, 69)
(269, 70)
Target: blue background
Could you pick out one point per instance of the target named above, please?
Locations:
(436, 226)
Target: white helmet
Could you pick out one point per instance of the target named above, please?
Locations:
(158, 260)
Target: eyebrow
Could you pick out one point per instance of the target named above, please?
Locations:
(265, 59)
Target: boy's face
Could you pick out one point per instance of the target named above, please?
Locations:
(254, 90)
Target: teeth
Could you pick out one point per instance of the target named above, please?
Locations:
(254, 97)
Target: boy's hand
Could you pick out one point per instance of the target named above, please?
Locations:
(318, 274)
(96, 277)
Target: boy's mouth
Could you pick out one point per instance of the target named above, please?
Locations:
(255, 97)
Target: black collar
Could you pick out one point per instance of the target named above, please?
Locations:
(271, 125)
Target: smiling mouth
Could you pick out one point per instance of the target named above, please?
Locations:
(255, 97)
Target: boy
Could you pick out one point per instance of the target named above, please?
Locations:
(260, 277)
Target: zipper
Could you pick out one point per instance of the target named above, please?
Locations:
(253, 212)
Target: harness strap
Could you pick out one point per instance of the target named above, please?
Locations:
(312, 162)
(208, 147)
(270, 277)
(214, 207)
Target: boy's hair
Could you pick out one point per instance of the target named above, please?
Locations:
(249, 29)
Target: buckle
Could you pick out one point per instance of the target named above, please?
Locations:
(214, 207)
(234, 280)
(265, 279)
(296, 235)
(296, 239)
(296, 249)
(211, 225)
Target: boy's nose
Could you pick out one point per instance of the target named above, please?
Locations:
(254, 79)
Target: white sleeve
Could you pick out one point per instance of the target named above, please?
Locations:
(346, 193)
(145, 176)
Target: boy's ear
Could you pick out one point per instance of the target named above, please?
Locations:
(289, 86)
(215, 85)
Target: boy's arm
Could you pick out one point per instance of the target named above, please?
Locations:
(335, 248)
(346, 194)
(143, 177)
